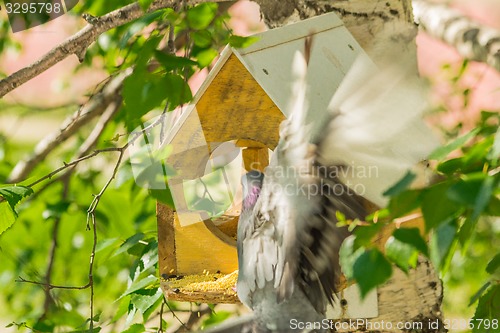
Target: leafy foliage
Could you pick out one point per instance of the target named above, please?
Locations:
(465, 195)
(45, 226)
(10, 196)
(47, 241)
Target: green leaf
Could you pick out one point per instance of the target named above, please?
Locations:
(130, 316)
(129, 243)
(486, 116)
(474, 191)
(67, 317)
(437, 208)
(494, 264)
(412, 237)
(466, 190)
(143, 92)
(365, 233)
(163, 195)
(378, 215)
(441, 152)
(487, 310)
(55, 210)
(484, 196)
(153, 309)
(371, 269)
(153, 174)
(178, 91)
(148, 257)
(135, 328)
(143, 299)
(206, 57)
(240, 42)
(479, 293)
(404, 202)
(44, 325)
(145, 4)
(348, 256)
(202, 38)
(401, 185)
(146, 52)
(215, 318)
(7, 216)
(465, 233)
(450, 166)
(172, 62)
(200, 17)
(123, 307)
(493, 208)
(402, 254)
(105, 243)
(14, 194)
(442, 243)
(140, 284)
(495, 149)
(476, 155)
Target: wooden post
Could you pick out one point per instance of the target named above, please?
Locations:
(255, 158)
(166, 240)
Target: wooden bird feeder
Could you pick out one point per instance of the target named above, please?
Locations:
(242, 102)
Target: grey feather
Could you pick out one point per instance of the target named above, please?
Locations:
(288, 238)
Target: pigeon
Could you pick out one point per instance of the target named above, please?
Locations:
(288, 236)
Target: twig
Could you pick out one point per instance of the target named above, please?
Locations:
(96, 106)
(51, 286)
(91, 270)
(99, 127)
(91, 223)
(97, 197)
(52, 254)
(407, 218)
(19, 325)
(79, 42)
(494, 171)
(96, 152)
(175, 316)
(87, 145)
(91, 213)
(27, 108)
(160, 327)
(70, 164)
(471, 39)
(194, 317)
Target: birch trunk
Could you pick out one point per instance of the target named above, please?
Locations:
(378, 26)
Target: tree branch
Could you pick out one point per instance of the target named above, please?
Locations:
(51, 286)
(471, 39)
(79, 42)
(53, 249)
(95, 107)
(370, 22)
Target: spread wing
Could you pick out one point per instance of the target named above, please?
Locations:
(290, 238)
(314, 194)
(376, 127)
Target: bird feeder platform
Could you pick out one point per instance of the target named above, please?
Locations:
(242, 102)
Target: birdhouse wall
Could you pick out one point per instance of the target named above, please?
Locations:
(236, 107)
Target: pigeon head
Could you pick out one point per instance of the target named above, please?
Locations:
(252, 184)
